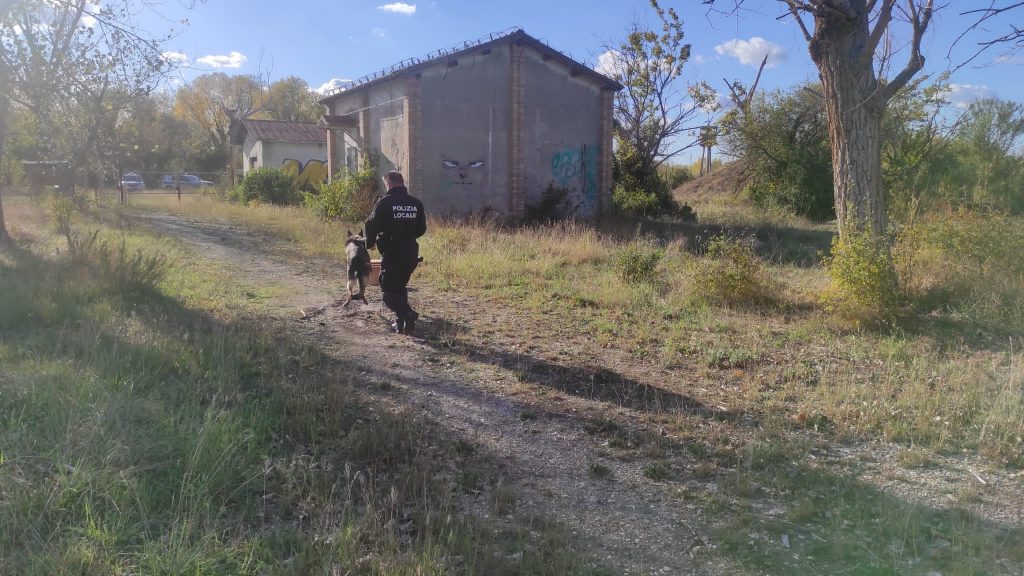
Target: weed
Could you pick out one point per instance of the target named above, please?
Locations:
(863, 288)
(730, 274)
(266, 185)
(638, 262)
(657, 471)
(503, 499)
(964, 264)
(599, 471)
(349, 197)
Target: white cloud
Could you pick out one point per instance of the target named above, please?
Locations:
(399, 8)
(332, 84)
(699, 59)
(1010, 59)
(175, 57)
(961, 95)
(232, 60)
(87, 19)
(379, 32)
(611, 64)
(753, 51)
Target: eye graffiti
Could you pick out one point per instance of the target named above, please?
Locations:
(463, 170)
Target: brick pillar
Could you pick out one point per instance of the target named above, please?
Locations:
(330, 154)
(516, 168)
(411, 112)
(604, 203)
(364, 125)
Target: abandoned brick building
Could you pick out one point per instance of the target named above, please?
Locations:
(487, 127)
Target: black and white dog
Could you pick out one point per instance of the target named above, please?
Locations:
(358, 260)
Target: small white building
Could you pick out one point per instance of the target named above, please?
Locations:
(297, 147)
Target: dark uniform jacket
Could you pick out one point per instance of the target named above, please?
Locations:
(397, 219)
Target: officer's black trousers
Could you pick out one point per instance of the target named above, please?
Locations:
(398, 261)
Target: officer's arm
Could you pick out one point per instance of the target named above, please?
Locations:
(373, 226)
(421, 221)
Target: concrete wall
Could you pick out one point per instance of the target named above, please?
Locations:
(562, 141)
(385, 125)
(251, 148)
(488, 131)
(345, 141)
(380, 111)
(307, 161)
(462, 135)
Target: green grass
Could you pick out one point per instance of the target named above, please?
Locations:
(171, 428)
(834, 523)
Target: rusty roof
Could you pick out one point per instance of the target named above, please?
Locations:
(515, 34)
(283, 131)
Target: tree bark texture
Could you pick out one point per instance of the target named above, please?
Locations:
(854, 105)
(4, 110)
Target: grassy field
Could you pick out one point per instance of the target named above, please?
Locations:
(792, 387)
(153, 422)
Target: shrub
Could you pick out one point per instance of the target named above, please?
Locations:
(639, 190)
(117, 268)
(863, 287)
(553, 204)
(966, 262)
(782, 139)
(638, 262)
(349, 198)
(730, 273)
(268, 185)
(674, 175)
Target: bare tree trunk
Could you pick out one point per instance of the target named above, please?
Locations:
(854, 105)
(4, 110)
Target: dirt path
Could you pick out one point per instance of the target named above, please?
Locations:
(535, 401)
(626, 520)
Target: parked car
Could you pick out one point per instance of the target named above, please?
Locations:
(186, 181)
(132, 181)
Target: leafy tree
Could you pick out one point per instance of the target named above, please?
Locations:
(291, 99)
(653, 112)
(150, 138)
(986, 147)
(843, 39)
(74, 66)
(782, 139)
(215, 104)
(915, 146)
(212, 105)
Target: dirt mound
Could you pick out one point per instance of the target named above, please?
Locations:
(727, 180)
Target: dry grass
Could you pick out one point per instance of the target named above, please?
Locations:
(173, 429)
(906, 383)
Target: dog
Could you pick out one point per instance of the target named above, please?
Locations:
(357, 258)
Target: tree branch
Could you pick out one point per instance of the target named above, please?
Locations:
(919, 20)
(881, 25)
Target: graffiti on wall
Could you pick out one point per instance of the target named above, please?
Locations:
(576, 168)
(463, 169)
(308, 176)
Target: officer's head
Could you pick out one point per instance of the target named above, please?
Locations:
(392, 179)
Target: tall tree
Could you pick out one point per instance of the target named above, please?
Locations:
(5, 106)
(291, 99)
(74, 66)
(655, 109)
(213, 105)
(848, 40)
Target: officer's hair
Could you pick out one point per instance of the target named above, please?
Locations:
(395, 178)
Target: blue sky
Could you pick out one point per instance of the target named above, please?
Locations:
(323, 40)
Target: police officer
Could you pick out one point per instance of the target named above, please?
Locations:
(393, 227)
